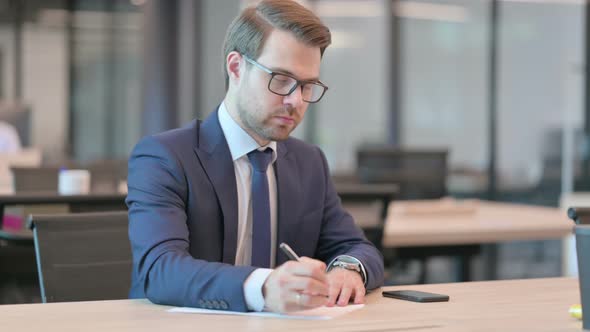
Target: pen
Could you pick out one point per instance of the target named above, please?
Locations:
(289, 252)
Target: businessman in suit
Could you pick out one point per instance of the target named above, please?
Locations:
(210, 202)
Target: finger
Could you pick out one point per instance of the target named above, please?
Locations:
(307, 269)
(308, 285)
(333, 292)
(317, 268)
(307, 301)
(344, 295)
(316, 263)
(359, 294)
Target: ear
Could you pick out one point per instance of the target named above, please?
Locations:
(233, 64)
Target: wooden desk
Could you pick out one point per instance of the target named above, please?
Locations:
(516, 305)
(486, 223)
(490, 222)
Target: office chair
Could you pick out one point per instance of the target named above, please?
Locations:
(82, 256)
(420, 174)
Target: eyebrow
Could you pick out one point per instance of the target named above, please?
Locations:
(287, 72)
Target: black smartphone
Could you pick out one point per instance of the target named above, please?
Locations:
(416, 296)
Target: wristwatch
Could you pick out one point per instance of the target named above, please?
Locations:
(349, 263)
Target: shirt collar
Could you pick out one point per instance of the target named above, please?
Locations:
(239, 141)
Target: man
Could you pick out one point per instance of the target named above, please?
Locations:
(210, 203)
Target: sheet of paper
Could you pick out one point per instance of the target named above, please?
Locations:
(321, 313)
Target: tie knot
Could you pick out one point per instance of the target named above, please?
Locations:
(260, 159)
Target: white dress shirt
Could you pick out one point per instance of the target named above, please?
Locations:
(240, 144)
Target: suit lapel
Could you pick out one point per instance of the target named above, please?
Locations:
(289, 198)
(213, 152)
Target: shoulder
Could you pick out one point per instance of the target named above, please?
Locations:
(296, 145)
(299, 147)
(306, 155)
(185, 134)
(177, 139)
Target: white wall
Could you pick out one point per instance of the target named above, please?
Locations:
(445, 78)
(216, 16)
(444, 90)
(541, 77)
(45, 87)
(356, 67)
(7, 49)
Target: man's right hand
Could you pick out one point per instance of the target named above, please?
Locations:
(296, 285)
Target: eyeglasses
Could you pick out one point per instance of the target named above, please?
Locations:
(284, 85)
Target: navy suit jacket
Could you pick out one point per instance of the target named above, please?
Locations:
(183, 215)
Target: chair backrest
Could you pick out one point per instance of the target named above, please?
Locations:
(420, 174)
(82, 256)
(35, 179)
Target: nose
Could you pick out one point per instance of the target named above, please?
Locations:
(295, 99)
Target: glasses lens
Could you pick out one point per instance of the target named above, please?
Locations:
(281, 84)
(312, 92)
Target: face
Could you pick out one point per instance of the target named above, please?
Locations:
(263, 114)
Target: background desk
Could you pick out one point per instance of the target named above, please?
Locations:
(517, 305)
(488, 223)
(76, 203)
(116, 201)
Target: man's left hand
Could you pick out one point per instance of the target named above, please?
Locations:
(345, 285)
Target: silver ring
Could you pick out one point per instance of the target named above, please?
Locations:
(299, 299)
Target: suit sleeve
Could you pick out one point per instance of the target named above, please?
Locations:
(158, 232)
(340, 236)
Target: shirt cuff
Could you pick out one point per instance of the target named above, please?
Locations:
(363, 271)
(253, 289)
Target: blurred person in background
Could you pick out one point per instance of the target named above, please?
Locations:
(9, 140)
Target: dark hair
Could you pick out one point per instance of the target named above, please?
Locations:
(248, 32)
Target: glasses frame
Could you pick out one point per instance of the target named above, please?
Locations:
(300, 83)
